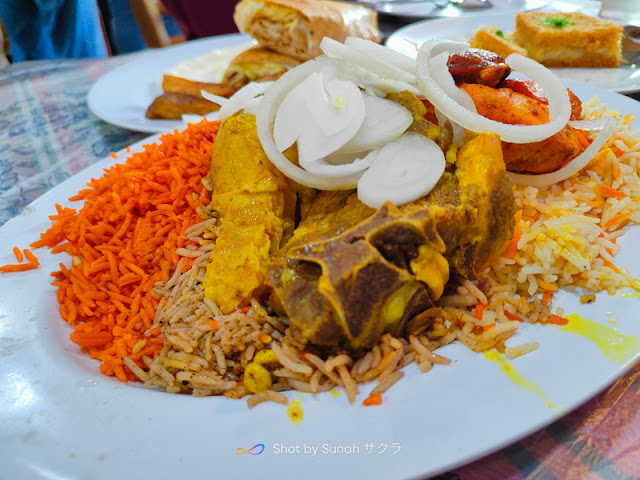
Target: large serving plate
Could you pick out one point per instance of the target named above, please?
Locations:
(62, 419)
(122, 96)
(624, 79)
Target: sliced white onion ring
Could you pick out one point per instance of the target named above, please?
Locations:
(391, 86)
(290, 116)
(403, 171)
(590, 125)
(442, 120)
(254, 104)
(217, 99)
(439, 71)
(264, 122)
(384, 121)
(574, 166)
(458, 133)
(321, 116)
(382, 53)
(336, 105)
(344, 158)
(343, 111)
(333, 48)
(554, 90)
(191, 118)
(240, 99)
(356, 166)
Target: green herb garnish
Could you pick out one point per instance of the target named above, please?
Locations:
(557, 21)
(500, 33)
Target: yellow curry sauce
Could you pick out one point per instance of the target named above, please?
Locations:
(518, 378)
(614, 345)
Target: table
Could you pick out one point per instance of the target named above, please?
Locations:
(48, 134)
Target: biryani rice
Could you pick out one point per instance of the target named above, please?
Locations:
(565, 235)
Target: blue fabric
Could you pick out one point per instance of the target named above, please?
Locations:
(49, 29)
(123, 28)
(125, 34)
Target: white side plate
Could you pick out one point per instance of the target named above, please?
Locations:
(122, 96)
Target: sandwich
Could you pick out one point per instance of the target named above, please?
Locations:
(296, 27)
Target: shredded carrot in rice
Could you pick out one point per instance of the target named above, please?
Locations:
(31, 257)
(479, 310)
(616, 151)
(511, 316)
(606, 191)
(556, 320)
(616, 219)
(512, 246)
(607, 263)
(375, 399)
(123, 240)
(21, 267)
(489, 326)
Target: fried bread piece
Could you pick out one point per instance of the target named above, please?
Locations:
(495, 40)
(171, 106)
(564, 40)
(171, 84)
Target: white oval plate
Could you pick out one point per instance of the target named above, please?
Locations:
(62, 419)
(122, 96)
(625, 79)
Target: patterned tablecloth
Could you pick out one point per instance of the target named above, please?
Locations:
(47, 134)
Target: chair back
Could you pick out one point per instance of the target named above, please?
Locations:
(148, 15)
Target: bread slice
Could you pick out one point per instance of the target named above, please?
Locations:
(563, 40)
(495, 40)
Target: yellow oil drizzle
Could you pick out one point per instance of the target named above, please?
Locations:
(294, 412)
(518, 378)
(614, 345)
(335, 393)
(628, 293)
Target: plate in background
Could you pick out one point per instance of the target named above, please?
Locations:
(122, 96)
(624, 79)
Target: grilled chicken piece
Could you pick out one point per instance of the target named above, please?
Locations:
(349, 274)
(532, 90)
(256, 205)
(507, 106)
(478, 66)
